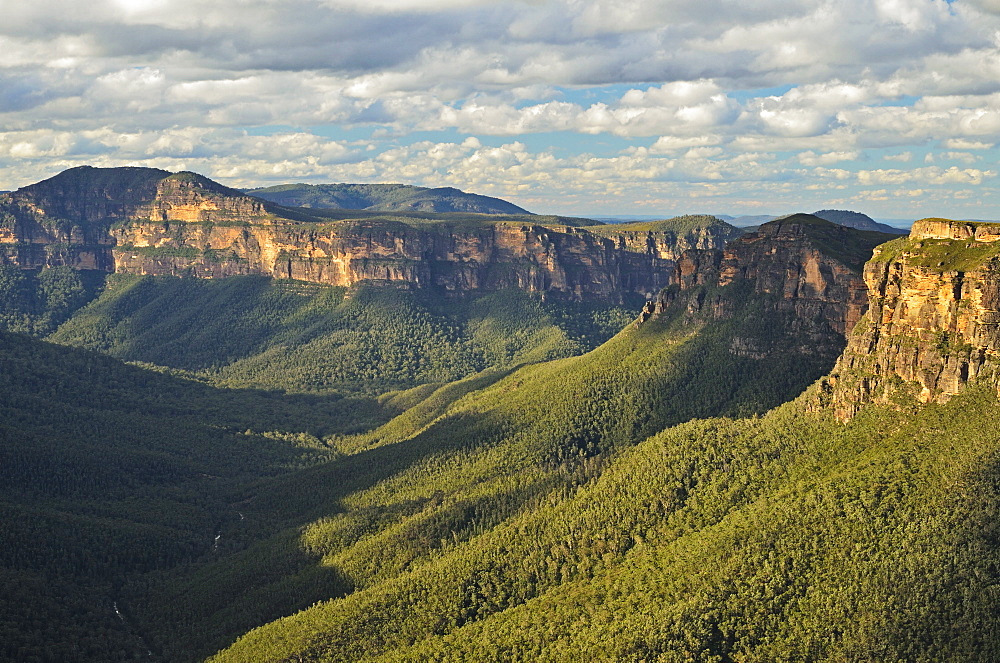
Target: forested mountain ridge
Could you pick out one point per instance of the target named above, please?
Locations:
(847, 218)
(147, 221)
(384, 198)
(857, 220)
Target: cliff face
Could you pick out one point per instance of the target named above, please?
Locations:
(191, 198)
(70, 219)
(54, 222)
(530, 257)
(147, 221)
(800, 268)
(785, 258)
(670, 246)
(934, 319)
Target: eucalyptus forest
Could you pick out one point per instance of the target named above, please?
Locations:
(763, 460)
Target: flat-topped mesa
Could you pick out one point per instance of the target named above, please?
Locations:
(934, 318)
(72, 218)
(149, 221)
(947, 229)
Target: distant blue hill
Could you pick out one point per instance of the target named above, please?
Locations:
(846, 218)
(384, 198)
(857, 220)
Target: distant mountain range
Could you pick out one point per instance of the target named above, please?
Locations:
(384, 198)
(857, 220)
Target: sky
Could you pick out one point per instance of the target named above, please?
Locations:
(585, 107)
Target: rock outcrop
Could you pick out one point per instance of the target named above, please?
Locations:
(148, 221)
(786, 260)
(669, 239)
(72, 219)
(801, 268)
(934, 318)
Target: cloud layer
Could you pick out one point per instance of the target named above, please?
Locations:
(574, 106)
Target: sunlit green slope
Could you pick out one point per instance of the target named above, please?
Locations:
(787, 537)
(469, 457)
(642, 501)
(595, 508)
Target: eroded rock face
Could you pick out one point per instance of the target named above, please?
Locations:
(190, 198)
(668, 246)
(530, 257)
(934, 319)
(783, 266)
(957, 230)
(783, 259)
(71, 219)
(147, 221)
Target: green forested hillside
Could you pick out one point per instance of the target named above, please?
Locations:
(262, 333)
(789, 537)
(37, 301)
(460, 479)
(468, 457)
(535, 519)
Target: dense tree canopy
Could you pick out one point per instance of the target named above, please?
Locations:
(295, 472)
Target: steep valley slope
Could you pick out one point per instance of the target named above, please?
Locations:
(791, 536)
(461, 459)
(469, 458)
(258, 332)
(111, 472)
(692, 489)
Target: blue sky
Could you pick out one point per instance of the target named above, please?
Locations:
(587, 107)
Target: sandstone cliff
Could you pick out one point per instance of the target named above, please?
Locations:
(493, 256)
(70, 219)
(934, 318)
(148, 221)
(800, 268)
(669, 239)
